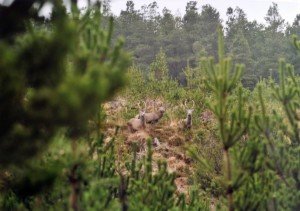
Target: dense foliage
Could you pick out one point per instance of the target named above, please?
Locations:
(64, 146)
(187, 38)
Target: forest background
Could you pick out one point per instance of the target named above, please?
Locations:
(185, 39)
(68, 89)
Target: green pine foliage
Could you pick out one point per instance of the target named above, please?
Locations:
(50, 87)
(45, 91)
(61, 150)
(159, 68)
(256, 150)
(233, 120)
(150, 191)
(256, 45)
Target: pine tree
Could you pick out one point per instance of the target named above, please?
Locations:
(241, 52)
(50, 79)
(233, 121)
(159, 67)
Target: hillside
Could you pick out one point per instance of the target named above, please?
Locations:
(90, 121)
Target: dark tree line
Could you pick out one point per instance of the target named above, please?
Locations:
(186, 39)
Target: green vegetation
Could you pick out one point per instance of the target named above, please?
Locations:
(188, 38)
(68, 90)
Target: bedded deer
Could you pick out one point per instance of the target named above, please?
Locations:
(136, 124)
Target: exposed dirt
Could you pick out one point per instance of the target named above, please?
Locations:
(168, 139)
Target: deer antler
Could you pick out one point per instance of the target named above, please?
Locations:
(145, 105)
(183, 104)
(193, 104)
(139, 104)
(186, 106)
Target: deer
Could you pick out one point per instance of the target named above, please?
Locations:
(136, 124)
(187, 122)
(155, 116)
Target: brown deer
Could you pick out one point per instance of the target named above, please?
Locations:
(187, 122)
(155, 116)
(136, 124)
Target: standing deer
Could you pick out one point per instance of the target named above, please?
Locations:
(155, 116)
(187, 122)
